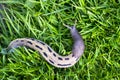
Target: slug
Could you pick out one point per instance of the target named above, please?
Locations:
(49, 54)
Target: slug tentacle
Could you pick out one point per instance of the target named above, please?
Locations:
(49, 54)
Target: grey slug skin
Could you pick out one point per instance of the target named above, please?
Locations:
(49, 54)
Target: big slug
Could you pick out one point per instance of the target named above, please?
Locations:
(49, 54)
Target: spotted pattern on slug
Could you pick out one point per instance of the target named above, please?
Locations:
(38, 47)
(51, 61)
(49, 54)
(64, 64)
(66, 58)
(32, 39)
(29, 42)
(60, 58)
(41, 42)
(54, 54)
(17, 40)
(49, 49)
(22, 40)
(45, 54)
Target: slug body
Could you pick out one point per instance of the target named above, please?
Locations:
(49, 54)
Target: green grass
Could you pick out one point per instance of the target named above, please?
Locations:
(98, 21)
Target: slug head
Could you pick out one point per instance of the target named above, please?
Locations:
(78, 46)
(72, 28)
(74, 32)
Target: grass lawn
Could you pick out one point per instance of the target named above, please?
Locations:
(98, 21)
